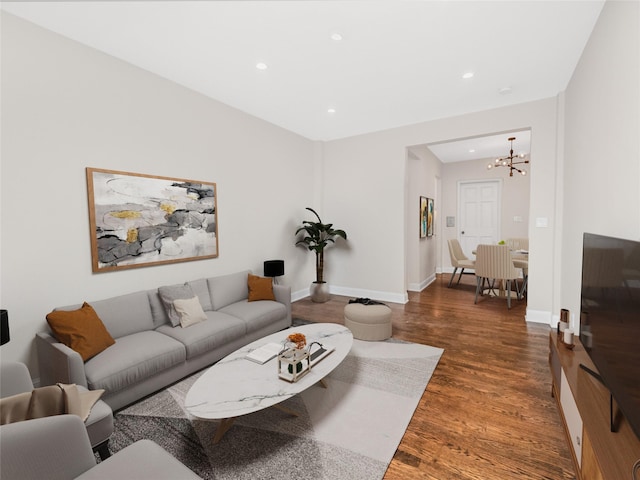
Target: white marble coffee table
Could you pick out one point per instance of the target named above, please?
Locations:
(236, 386)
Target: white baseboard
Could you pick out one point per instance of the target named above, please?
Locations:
(533, 316)
(356, 293)
(372, 294)
(418, 287)
(538, 316)
(299, 295)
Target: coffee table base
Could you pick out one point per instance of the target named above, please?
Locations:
(226, 423)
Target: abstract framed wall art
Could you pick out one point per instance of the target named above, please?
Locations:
(423, 217)
(139, 220)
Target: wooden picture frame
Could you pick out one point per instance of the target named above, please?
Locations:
(423, 217)
(140, 220)
(430, 215)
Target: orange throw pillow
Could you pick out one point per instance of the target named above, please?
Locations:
(81, 330)
(260, 288)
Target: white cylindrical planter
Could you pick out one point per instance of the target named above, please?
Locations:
(319, 292)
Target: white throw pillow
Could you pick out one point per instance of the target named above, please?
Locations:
(189, 310)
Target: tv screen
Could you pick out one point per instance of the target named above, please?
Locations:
(610, 317)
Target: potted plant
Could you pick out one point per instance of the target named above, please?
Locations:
(317, 237)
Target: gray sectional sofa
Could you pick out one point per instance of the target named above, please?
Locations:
(149, 352)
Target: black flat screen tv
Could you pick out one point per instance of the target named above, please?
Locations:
(610, 318)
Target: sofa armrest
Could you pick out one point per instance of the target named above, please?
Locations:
(50, 447)
(283, 295)
(58, 363)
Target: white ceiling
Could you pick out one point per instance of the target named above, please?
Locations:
(486, 147)
(398, 63)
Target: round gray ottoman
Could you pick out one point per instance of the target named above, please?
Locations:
(368, 322)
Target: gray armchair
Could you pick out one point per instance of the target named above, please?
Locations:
(15, 379)
(58, 448)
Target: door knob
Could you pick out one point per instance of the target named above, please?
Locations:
(462, 232)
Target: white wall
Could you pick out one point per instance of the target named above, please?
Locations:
(66, 107)
(423, 173)
(364, 194)
(365, 189)
(602, 142)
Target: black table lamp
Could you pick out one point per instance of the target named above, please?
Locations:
(4, 326)
(273, 268)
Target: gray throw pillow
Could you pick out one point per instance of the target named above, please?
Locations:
(168, 294)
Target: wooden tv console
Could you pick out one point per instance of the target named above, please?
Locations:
(598, 453)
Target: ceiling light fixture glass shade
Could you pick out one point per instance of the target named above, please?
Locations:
(509, 161)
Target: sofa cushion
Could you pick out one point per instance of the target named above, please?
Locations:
(133, 359)
(170, 293)
(160, 317)
(81, 330)
(158, 312)
(260, 288)
(219, 329)
(228, 289)
(190, 311)
(125, 314)
(201, 289)
(257, 314)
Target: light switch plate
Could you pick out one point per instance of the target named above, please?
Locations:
(542, 222)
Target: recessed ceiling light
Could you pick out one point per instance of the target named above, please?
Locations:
(261, 66)
(468, 75)
(505, 91)
(335, 36)
(331, 110)
(472, 150)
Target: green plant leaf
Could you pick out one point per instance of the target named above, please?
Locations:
(317, 236)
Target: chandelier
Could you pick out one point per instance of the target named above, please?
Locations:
(509, 161)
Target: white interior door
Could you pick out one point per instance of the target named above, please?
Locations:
(479, 214)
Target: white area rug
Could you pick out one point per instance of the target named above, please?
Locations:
(349, 430)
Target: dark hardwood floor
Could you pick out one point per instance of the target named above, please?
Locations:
(487, 412)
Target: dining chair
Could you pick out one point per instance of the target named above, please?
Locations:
(494, 263)
(522, 263)
(458, 259)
